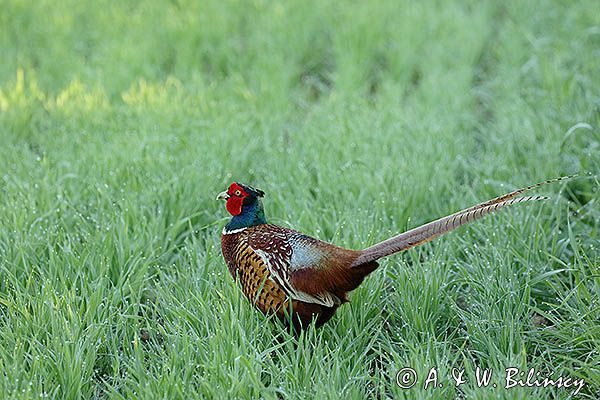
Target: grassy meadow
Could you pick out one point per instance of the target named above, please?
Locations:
(120, 122)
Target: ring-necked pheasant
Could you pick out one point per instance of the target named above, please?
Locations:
(285, 272)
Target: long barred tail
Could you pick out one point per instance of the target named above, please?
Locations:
(430, 231)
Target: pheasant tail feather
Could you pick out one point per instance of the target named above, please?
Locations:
(432, 230)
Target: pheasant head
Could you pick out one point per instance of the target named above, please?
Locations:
(244, 204)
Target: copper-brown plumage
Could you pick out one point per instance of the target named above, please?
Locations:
(301, 279)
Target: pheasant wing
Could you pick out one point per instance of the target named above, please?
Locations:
(274, 246)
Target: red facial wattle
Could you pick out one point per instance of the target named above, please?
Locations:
(236, 199)
(234, 205)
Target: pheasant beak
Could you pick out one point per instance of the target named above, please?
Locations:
(223, 196)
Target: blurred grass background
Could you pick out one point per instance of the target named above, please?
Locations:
(120, 121)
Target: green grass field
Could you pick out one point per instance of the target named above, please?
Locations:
(120, 122)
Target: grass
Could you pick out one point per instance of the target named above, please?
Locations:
(120, 123)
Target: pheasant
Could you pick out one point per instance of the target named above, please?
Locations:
(300, 278)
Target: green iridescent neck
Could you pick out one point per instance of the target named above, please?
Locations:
(252, 214)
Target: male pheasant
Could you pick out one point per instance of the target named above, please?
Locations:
(301, 279)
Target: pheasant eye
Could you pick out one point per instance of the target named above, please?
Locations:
(237, 193)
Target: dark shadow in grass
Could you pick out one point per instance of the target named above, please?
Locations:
(414, 82)
(168, 62)
(213, 67)
(416, 76)
(315, 82)
(316, 68)
(379, 67)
